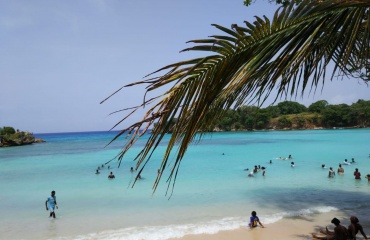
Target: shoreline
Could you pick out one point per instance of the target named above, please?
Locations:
(300, 227)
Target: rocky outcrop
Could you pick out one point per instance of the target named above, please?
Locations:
(19, 139)
(39, 140)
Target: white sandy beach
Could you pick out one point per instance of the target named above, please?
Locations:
(285, 229)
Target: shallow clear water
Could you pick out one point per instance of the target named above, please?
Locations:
(212, 191)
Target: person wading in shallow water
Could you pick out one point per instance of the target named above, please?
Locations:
(357, 174)
(51, 204)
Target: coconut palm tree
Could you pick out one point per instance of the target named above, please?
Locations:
(289, 54)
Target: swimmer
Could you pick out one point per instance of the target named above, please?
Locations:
(292, 164)
(250, 174)
(270, 161)
(368, 177)
(263, 171)
(290, 157)
(340, 170)
(353, 160)
(346, 162)
(357, 174)
(97, 171)
(331, 172)
(131, 169)
(323, 166)
(255, 170)
(111, 176)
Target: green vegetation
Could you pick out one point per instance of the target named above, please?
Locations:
(280, 2)
(7, 131)
(292, 115)
(11, 137)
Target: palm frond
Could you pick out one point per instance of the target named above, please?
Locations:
(290, 53)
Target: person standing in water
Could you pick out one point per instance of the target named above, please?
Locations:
(331, 172)
(340, 170)
(111, 175)
(51, 204)
(357, 174)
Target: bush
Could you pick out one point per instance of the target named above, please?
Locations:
(7, 130)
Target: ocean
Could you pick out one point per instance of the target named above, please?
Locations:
(212, 192)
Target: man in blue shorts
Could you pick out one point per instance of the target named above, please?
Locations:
(51, 204)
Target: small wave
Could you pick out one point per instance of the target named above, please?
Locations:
(177, 231)
(302, 212)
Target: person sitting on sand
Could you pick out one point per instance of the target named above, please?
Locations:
(340, 232)
(340, 170)
(355, 227)
(331, 172)
(254, 220)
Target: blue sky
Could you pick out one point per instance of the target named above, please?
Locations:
(60, 58)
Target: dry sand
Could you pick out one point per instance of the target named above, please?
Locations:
(285, 229)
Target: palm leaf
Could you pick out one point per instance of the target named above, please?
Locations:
(289, 53)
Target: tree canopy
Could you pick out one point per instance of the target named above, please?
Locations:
(287, 55)
(282, 2)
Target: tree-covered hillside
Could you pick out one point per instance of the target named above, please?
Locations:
(293, 115)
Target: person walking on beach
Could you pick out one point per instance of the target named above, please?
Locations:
(253, 220)
(51, 204)
(340, 170)
(340, 232)
(357, 174)
(355, 227)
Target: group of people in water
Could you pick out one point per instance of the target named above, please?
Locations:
(257, 168)
(110, 176)
(331, 174)
(340, 170)
(340, 232)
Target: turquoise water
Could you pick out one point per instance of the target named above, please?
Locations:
(212, 192)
